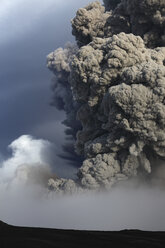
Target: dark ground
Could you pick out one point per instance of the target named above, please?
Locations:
(11, 236)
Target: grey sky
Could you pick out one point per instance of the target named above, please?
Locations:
(29, 31)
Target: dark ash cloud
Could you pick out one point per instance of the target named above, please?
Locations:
(117, 79)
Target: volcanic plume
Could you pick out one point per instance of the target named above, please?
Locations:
(111, 85)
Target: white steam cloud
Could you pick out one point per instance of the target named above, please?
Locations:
(29, 161)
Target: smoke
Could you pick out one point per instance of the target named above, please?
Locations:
(115, 80)
(58, 62)
(111, 4)
(142, 18)
(26, 200)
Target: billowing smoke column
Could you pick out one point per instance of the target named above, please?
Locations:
(113, 82)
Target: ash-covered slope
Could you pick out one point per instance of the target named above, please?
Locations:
(113, 83)
(11, 236)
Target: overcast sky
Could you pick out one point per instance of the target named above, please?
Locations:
(30, 29)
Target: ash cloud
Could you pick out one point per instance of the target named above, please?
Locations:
(115, 82)
(26, 201)
(59, 63)
(111, 4)
(142, 18)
